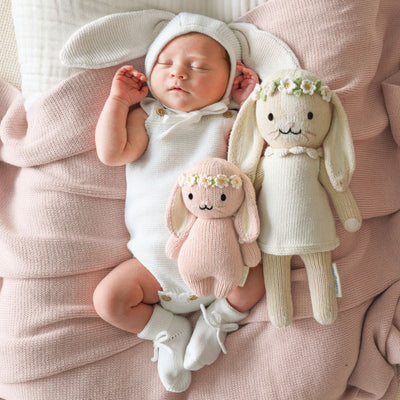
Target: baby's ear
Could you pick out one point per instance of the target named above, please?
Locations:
(114, 39)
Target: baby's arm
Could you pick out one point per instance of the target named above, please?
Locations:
(120, 133)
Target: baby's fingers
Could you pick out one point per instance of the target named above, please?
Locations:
(138, 75)
(127, 71)
(237, 82)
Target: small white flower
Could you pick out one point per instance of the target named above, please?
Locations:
(205, 180)
(287, 86)
(221, 181)
(256, 92)
(308, 87)
(236, 181)
(190, 180)
(270, 88)
(326, 93)
(182, 180)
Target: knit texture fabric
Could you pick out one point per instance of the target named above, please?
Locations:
(62, 229)
(151, 178)
(292, 193)
(170, 335)
(184, 23)
(210, 258)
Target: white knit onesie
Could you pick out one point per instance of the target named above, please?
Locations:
(176, 141)
(295, 214)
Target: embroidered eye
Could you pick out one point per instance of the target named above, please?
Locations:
(223, 197)
(271, 116)
(310, 115)
(190, 195)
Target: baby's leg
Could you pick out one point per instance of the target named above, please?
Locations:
(220, 318)
(244, 298)
(125, 298)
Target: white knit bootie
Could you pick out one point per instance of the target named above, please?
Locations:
(170, 335)
(210, 333)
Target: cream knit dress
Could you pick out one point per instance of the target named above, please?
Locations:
(294, 210)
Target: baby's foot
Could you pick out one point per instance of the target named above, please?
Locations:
(210, 333)
(170, 335)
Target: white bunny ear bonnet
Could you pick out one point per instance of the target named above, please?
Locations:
(114, 39)
(185, 23)
(118, 38)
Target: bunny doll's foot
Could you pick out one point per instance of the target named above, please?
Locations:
(210, 332)
(170, 334)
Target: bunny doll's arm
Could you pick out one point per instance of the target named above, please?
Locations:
(174, 244)
(343, 202)
(251, 254)
(259, 176)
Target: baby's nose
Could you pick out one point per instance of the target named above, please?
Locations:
(178, 73)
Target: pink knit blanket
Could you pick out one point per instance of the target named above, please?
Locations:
(62, 229)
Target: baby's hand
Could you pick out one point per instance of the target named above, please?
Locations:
(129, 86)
(244, 83)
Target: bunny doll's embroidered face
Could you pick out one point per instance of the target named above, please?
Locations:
(217, 196)
(286, 120)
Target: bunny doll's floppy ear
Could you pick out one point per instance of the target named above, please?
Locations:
(114, 39)
(247, 222)
(338, 148)
(179, 221)
(245, 142)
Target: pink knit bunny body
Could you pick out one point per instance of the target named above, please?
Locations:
(213, 220)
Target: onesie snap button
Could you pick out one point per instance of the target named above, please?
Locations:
(227, 114)
(192, 298)
(166, 298)
(161, 112)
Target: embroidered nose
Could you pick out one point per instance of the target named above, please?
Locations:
(290, 124)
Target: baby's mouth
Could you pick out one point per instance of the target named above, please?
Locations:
(177, 89)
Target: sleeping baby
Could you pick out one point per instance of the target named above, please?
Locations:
(190, 70)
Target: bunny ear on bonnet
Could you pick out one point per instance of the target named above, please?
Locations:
(118, 38)
(262, 51)
(114, 39)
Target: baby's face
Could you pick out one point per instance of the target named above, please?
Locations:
(191, 72)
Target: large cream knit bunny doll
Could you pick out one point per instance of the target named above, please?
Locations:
(213, 219)
(310, 155)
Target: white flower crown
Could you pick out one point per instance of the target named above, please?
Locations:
(219, 180)
(297, 87)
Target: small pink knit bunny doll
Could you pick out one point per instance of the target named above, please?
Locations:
(213, 220)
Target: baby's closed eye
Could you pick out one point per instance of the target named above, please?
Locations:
(164, 62)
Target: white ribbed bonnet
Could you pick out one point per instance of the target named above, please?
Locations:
(121, 37)
(185, 23)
